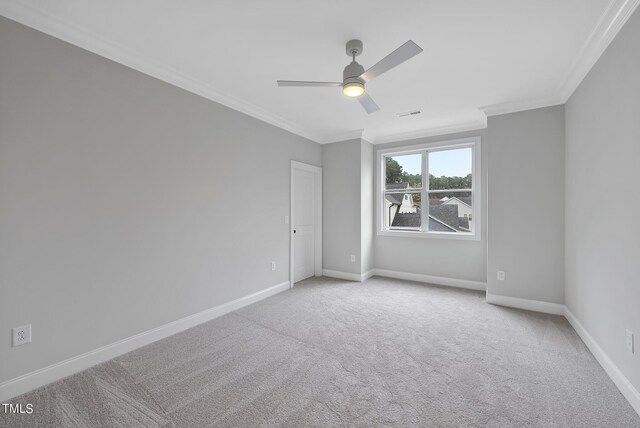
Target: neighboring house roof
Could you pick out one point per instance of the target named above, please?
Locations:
(442, 218)
(398, 186)
(464, 199)
(395, 198)
(406, 220)
(437, 226)
(413, 220)
(448, 214)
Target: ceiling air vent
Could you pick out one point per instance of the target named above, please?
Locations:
(409, 113)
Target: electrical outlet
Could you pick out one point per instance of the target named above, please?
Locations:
(353, 258)
(273, 265)
(286, 219)
(501, 275)
(630, 341)
(21, 335)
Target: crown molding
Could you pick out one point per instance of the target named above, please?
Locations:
(412, 135)
(35, 18)
(366, 136)
(343, 136)
(612, 20)
(521, 105)
(430, 132)
(607, 27)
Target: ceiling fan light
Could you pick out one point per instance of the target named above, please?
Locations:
(353, 89)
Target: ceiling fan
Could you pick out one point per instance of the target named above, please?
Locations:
(354, 76)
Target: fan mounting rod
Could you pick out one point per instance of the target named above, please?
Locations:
(354, 48)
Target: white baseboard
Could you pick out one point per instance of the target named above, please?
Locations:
(624, 385)
(46, 375)
(342, 275)
(348, 275)
(430, 279)
(619, 379)
(529, 305)
(368, 274)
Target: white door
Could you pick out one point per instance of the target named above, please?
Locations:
(303, 223)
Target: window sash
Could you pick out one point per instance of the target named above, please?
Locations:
(425, 192)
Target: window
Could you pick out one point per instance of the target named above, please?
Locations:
(431, 190)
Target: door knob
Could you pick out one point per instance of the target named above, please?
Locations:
(294, 231)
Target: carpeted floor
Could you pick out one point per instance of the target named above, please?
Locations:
(337, 353)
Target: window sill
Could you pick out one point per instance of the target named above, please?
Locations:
(428, 235)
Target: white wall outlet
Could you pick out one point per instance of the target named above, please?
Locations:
(273, 265)
(501, 275)
(286, 219)
(353, 258)
(21, 335)
(630, 341)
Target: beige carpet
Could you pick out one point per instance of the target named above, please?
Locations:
(336, 353)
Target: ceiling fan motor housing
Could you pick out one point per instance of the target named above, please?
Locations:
(351, 73)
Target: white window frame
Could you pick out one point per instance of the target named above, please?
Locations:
(476, 185)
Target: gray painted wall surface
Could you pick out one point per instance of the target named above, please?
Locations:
(341, 215)
(366, 205)
(603, 201)
(447, 258)
(526, 204)
(125, 202)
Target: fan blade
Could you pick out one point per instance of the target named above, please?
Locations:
(395, 58)
(368, 104)
(303, 83)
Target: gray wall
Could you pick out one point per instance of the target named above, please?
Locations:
(347, 206)
(341, 215)
(125, 202)
(603, 200)
(526, 204)
(447, 258)
(366, 205)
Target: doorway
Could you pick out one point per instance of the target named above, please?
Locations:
(306, 222)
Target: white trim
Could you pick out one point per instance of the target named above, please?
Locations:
(624, 385)
(606, 29)
(366, 275)
(343, 136)
(348, 275)
(527, 304)
(521, 105)
(62, 369)
(405, 136)
(318, 217)
(475, 143)
(619, 379)
(430, 279)
(342, 275)
(398, 233)
(34, 17)
(430, 132)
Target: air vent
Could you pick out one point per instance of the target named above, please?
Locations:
(409, 113)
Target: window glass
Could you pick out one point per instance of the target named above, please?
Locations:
(403, 186)
(404, 170)
(451, 212)
(440, 202)
(451, 169)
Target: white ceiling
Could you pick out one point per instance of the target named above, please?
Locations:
(480, 57)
